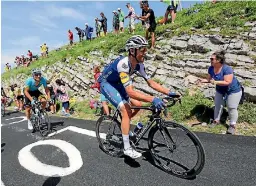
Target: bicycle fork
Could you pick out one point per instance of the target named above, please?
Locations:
(165, 134)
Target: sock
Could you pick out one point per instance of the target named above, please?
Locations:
(126, 141)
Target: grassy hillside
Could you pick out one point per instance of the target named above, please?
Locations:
(228, 15)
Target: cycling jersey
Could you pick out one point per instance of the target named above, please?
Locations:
(115, 77)
(31, 83)
(119, 71)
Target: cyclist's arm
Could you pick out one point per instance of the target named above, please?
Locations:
(127, 82)
(27, 94)
(151, 82)
(157, 87)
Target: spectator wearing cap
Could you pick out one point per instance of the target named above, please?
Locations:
(80, 33)
(88, 32)
(171, 9)
(131, 15)
(115, 22)
(150, 23)
(97, 27)
(103, 21)
(121, 20)
(70, 37)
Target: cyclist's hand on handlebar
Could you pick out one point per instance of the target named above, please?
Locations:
(33, 102)
(158, 103)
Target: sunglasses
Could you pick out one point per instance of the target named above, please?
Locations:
(212, 59)
(143, 49)
(37, 74)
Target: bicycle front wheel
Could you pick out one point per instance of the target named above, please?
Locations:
(176, 149)
(109, 136)
(44, 124)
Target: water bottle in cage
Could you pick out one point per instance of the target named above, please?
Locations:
(138, 128)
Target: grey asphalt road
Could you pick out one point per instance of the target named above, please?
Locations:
(230, 160)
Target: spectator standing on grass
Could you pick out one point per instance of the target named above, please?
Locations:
(131, 15)
(103, 21)
(7, 67)
(142, 11)
(62, 95)
(150, 23)
(53, 97)
(228, 89)
(115, 22)
(30, 55)
(44, 49)
(19, 97)
(17, 61)
(41, 51)
(171, 9)
(80, 33)
(104, 101)
(23, 60)
(70, 37)
(88, 31)
(121, 20)
(97, 27)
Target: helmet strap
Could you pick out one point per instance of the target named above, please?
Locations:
(135, 55)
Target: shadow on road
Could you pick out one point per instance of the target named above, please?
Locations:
(11, 112)
(2, 145)
(52, 181)
(131, 162)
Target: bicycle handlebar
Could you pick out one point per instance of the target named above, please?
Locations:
(173, 99)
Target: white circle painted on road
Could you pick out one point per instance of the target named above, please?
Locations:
(31, 163)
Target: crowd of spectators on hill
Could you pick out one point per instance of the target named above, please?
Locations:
(147, 18)
(100, 28)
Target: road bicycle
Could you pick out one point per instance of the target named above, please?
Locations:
(3, 100)
(184, 163)
(40, 119)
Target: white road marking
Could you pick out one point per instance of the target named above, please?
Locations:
(31, 163)
(22, 118)
(2, 183)
(78, 130)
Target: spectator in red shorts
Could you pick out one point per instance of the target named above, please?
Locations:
(70, 37)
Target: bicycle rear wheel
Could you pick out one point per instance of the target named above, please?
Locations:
(176, 149)
(109, 136)
(44, 124)
(2, 110)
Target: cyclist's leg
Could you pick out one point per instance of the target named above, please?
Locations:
(120, 101)
(136, 103)
(41, 98)
(28, 110)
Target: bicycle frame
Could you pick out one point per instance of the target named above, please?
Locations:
(153, 118)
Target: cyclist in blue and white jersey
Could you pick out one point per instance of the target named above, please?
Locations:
(116, 86)
(31, 90)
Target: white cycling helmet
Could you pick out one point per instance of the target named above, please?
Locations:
(136, 41)
(36, 71)
(86, 24)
